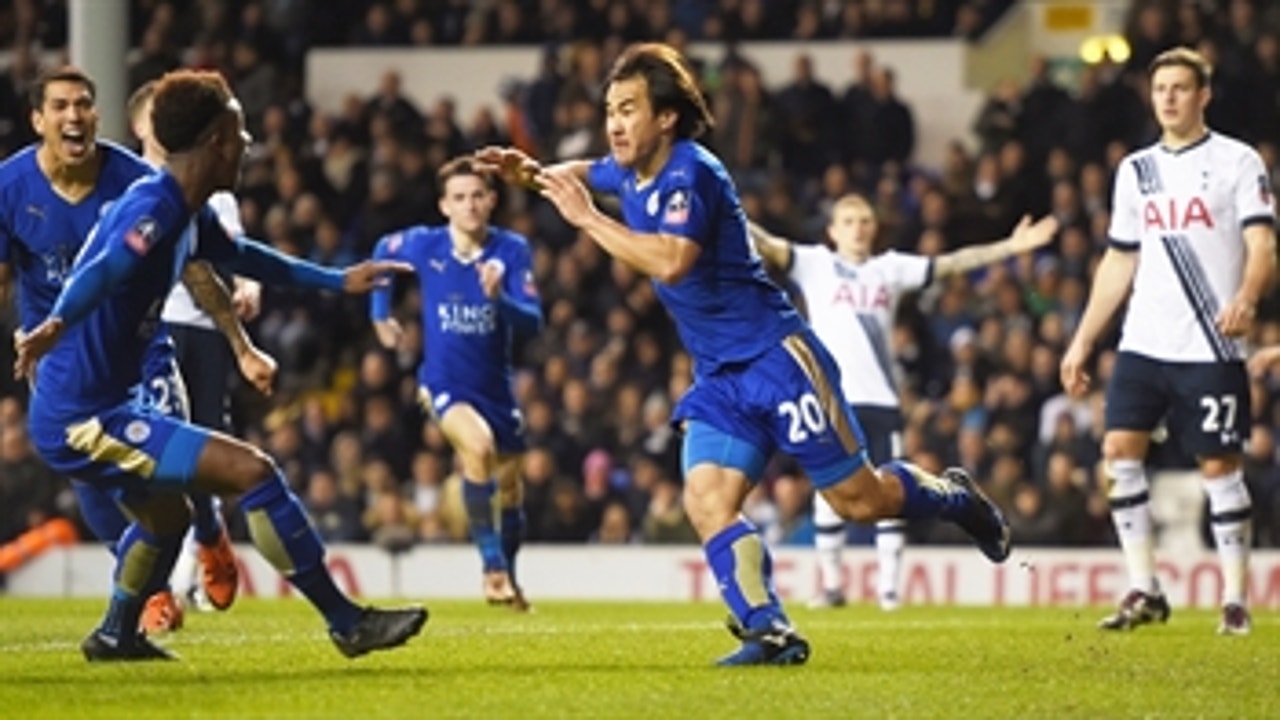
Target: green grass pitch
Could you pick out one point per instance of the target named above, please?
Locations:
(271, 659)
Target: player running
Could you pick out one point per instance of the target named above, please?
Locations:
(477, 294)
(763, 381)
(92, 345)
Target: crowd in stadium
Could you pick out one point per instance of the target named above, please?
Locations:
(979, 355)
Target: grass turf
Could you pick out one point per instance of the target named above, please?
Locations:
(270, 659)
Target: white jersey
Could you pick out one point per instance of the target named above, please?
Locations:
(851, 308)
(180, 308)
(1184, 211)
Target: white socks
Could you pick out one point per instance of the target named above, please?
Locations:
(828, 540)
(1230, 516)
(1131, 513)
(891, 537)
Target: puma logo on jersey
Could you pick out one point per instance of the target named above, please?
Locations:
(437, 265)
(36, 210)
(1172, 214)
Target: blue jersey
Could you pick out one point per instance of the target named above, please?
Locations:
(41, 232)
(726, 308)
(467, 336)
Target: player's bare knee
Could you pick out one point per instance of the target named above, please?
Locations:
(707, 507)
(251, 468)
(1219, 465)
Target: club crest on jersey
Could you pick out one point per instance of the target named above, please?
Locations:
(677, 211)
(394, 242)
(1264, 190)
(142, 235)
(137, 432)
(1173, 214)
(651, 205)
(529, 287)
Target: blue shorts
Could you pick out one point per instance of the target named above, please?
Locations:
(129, 449)
(162, 388)
(1205, 405)
(505, 420)
(787, 399)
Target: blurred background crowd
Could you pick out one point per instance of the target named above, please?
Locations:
(978, 355)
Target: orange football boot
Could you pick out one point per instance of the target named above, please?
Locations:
(219, 575)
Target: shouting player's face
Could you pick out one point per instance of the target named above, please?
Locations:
(635, 131)
(67, 121)
(853, 230)
(467, 202)
(1178, 100)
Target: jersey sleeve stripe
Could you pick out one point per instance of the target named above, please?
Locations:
(1262, 219)
(1194, 284)
(1123, 245)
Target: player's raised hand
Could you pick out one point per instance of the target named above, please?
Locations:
(509, 164)
(491, 272)
(365, 276)
(389, 332)
(1237, 317)
(570, 196)
(35, 345)
(1028, 236)
(1075, 381)
(258, 368)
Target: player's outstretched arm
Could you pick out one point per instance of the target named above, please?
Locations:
(774, 250)
(664, 257)
(212, 296)
(1026, 237)
(259, 261)
(515, 167)
(1259, 271)
(1111, 284)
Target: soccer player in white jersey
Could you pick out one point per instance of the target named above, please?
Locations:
(852, 294)
(1192, 249)
(205, 360)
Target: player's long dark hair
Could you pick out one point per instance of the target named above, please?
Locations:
(671, 85)
(185, 106)
(66, 73)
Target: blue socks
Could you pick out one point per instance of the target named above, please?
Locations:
(205, 524)
(513, 524)
(143, 564)
(282, 533)
(925, 495)
(478, 498)
(99, 510)
(744, 572)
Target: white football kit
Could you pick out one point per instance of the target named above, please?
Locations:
(1183, 211)
(851, 308)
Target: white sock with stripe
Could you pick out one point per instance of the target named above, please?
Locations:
(1231, 518)
(1131, 512)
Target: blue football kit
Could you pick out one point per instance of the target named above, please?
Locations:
(467, 354)
(41, 234)
(760, 375)
(467, 337)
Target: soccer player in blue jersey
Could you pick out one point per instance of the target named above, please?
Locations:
(51, 195)
(90, 353)
(762, 380)
(477, 291)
